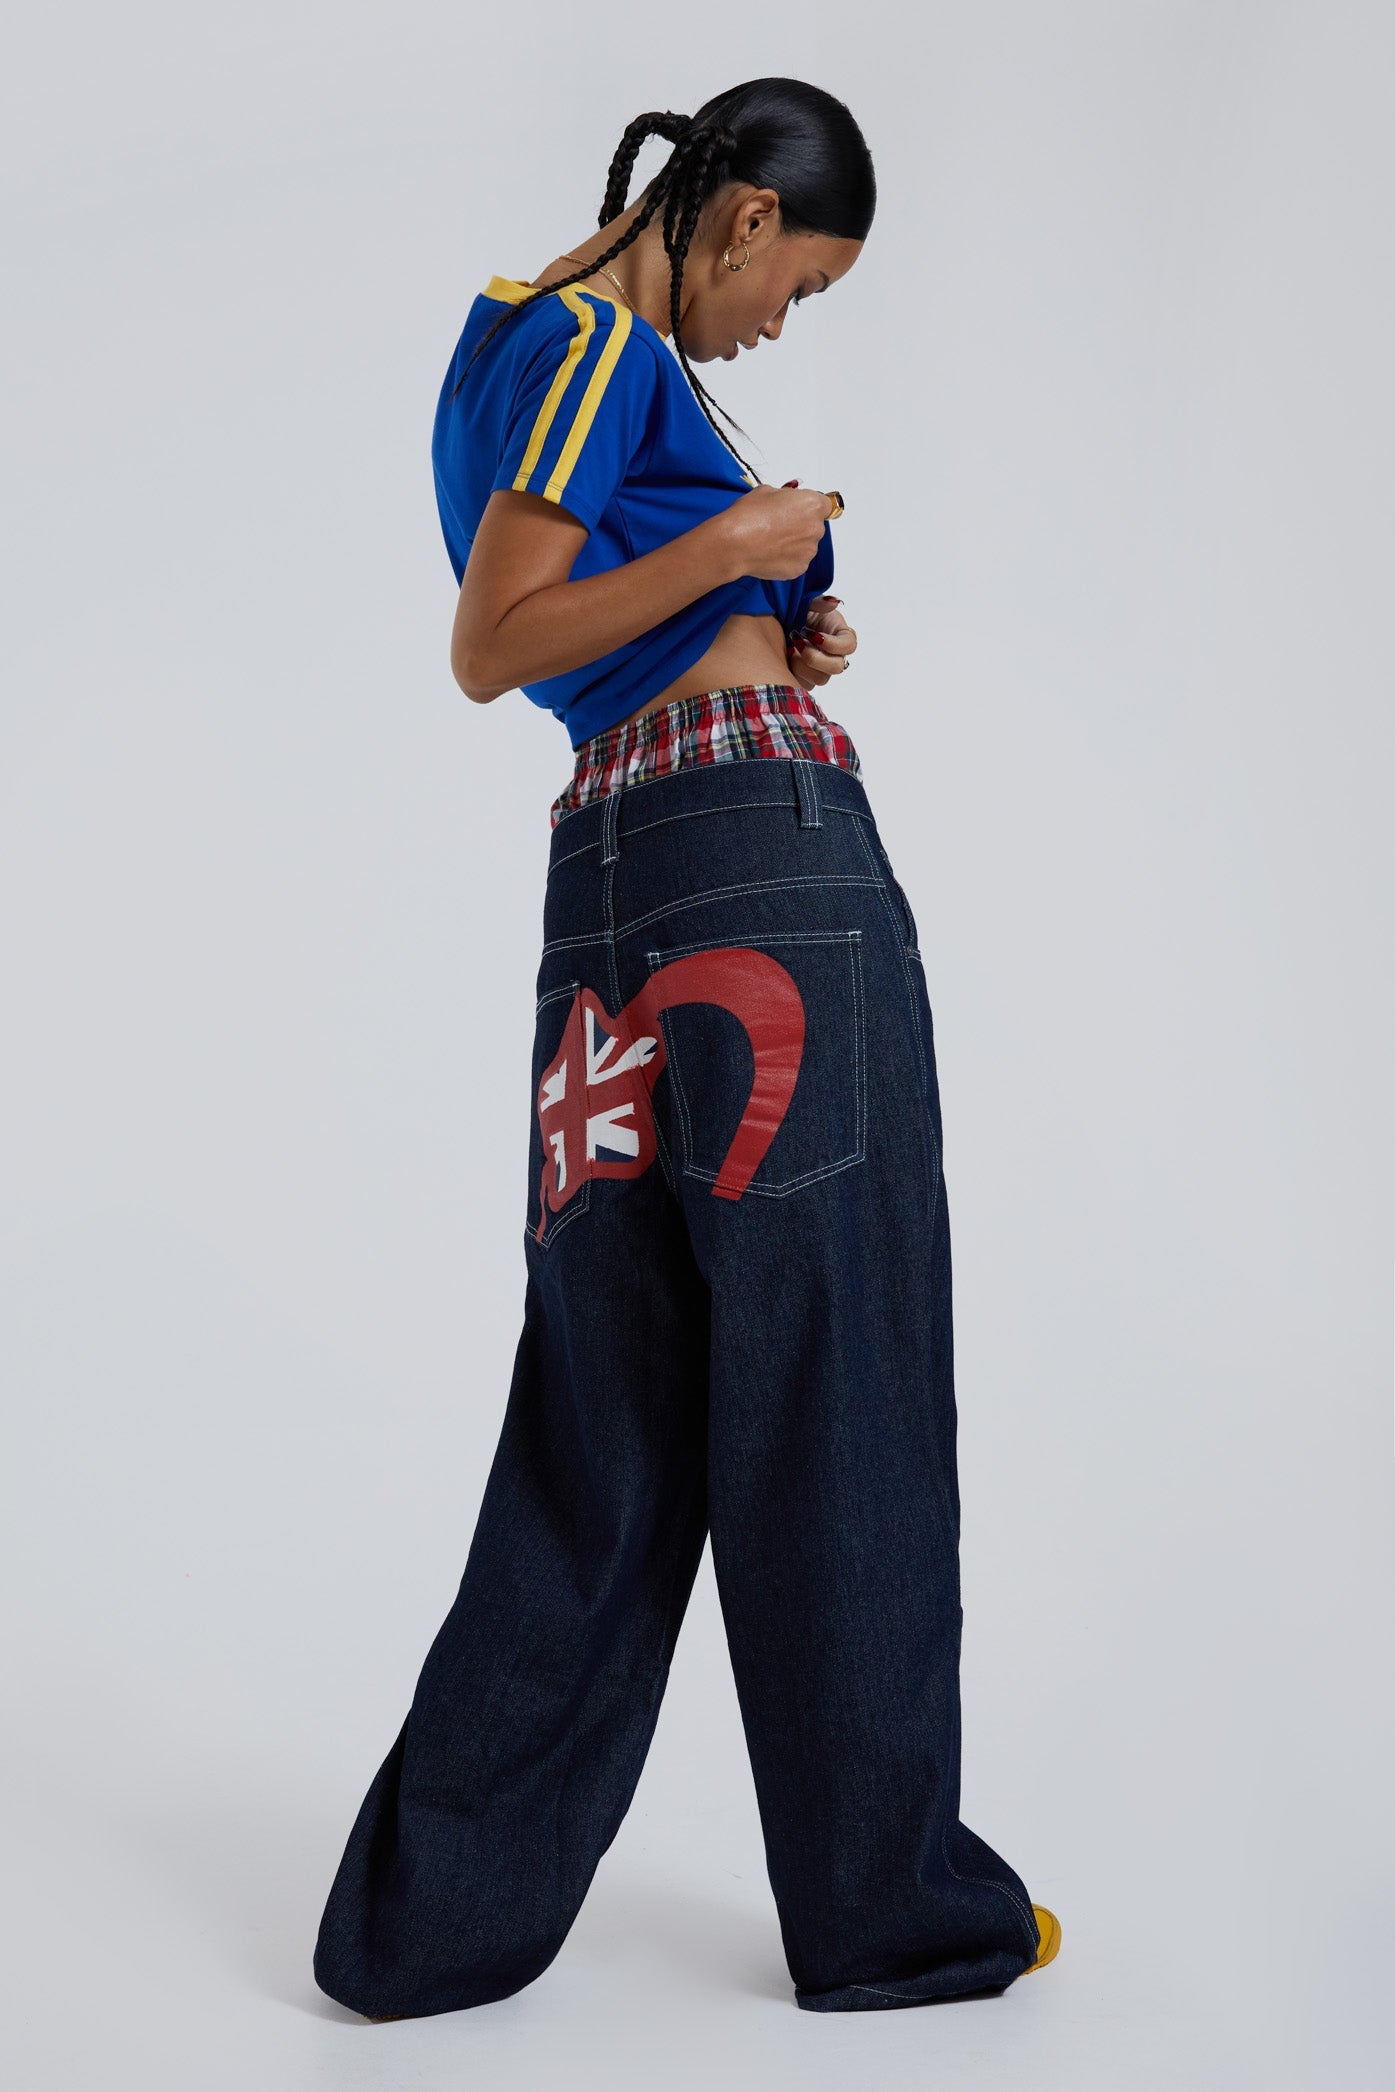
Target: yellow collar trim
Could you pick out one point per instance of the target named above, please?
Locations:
(509, 290)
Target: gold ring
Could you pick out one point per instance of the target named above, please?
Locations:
(837, 509)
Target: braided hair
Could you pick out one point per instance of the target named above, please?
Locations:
(778, 134)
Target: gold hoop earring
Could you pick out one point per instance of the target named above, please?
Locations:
(735, 267)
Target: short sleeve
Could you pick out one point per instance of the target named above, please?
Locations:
(581, 407)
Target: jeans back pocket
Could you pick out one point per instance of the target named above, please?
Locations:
(816, 1011)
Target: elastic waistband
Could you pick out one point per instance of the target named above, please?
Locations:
(782, 720)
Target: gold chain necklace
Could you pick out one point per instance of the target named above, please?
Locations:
(604, 272)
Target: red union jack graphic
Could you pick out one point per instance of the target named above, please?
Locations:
(594, 1100)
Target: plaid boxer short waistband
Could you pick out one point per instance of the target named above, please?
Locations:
(715, 726)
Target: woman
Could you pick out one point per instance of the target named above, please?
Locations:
(737, 1315)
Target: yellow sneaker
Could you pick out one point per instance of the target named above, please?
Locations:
(1048, 1936)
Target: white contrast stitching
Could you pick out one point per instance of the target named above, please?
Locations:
(852, 939)
(724, 893)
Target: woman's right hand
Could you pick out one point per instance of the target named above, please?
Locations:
(775, 531)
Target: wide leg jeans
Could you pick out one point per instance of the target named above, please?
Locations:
(737, 1321)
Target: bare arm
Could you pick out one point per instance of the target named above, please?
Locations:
(519, 619)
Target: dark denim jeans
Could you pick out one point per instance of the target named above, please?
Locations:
(737, 1320)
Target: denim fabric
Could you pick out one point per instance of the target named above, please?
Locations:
(737, 1321)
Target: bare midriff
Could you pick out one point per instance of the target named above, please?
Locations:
(749, 648)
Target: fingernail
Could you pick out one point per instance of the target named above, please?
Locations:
(791, 482)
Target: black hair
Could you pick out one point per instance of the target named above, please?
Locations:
(776, 134)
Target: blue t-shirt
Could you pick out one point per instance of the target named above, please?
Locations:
(582, 401)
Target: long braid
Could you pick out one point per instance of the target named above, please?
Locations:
(563, 282)
(660, 123)
(682, 185)
(706, 147)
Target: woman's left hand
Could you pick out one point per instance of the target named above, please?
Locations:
(821, 649)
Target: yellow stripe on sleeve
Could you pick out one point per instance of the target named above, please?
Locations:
(576, 349)
(591, 398)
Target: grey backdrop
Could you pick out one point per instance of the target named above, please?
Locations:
(1108, 396)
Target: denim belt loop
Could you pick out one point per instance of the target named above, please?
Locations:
(806, 786)
(610, 830)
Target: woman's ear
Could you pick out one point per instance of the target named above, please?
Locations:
(758, 212)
